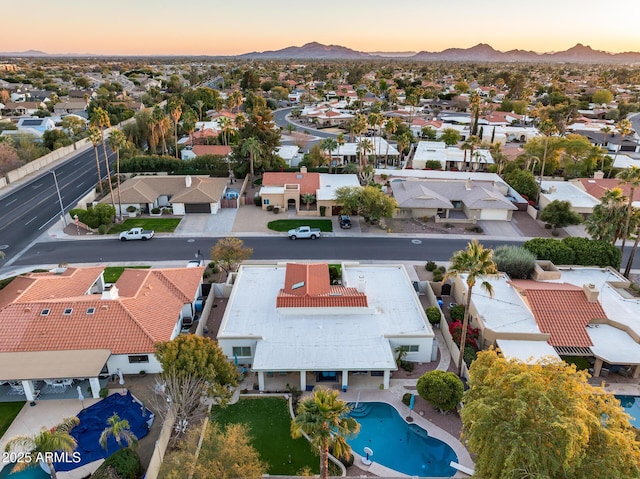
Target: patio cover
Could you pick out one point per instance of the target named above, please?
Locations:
(17, 366)
(354, 354)
(613, 345)
(526, 351)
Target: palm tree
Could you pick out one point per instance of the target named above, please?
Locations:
(547, 128)
(324, 419)
(606, 222)
(631, 178)
(340, 141)
(605, 131)
(100, 120)
(199, 104)
(473, 263)
(120, 430)
(358, 125)
(226, 126)
(159, 122)
(365, 147)
(329, 144)
(117, 141)
(403, 142)
(624, 129)
(175, 111)
(96, 138)
(252, 147)
(390, 127)
(44, 444)
(307, 199)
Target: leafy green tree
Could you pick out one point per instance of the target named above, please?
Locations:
(450, 136)
(307, 199)
(443, 390)
(559, 214)
(516, 261)
(98, 214)
(44, 444)
(120, 430)
(550, 249)
(434, 314)
(523, 182)
(602, 97)
(73, 124)
(585, 433)
(123, 464)
(472, 264)
(367, 201)
(325, 420)
(229, 252)
(580, 251)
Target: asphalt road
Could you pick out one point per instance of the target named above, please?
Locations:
(25, 212)
(264, 248)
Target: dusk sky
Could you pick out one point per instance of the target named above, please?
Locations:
(206, 27)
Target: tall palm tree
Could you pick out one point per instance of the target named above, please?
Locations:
(117, 141)
(474, 264)
(631, 178)
(199, 104)
(605, 131)
(365, 147)
(390, 128)
(324, 419)
(225, 125)
(340, 141)
(120, 430)
(175, 111)
(44, 444)
(159, 120)
(96, 138)
(624, 129)
(100, 119)
(547, 128)
(329, 144)
(606, 222)
(252, 147)
(358, 125)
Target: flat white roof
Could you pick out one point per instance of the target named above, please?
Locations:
(613, 345)
(287, 152)
(329, 184)
(437, 150)
(526, 351)
(324, 338)
(381, 147)
(567, 191)
(625, 161)
(271, 190)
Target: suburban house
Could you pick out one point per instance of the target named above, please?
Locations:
(290, 319)
(598, 186)
(285, 190)
(70, 106)
(68, 323)
(290, 154)
(581, 201)
(184, 194)
(32, 126)
(450, 199)
(327, 117)
(450, 157)
(588, 312)
(23, 108)
(201, 150)
(351, 151)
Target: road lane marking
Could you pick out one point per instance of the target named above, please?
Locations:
(32, 219)
(12, 201)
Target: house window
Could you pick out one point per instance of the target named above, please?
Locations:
(141, 358)
(265, 201)
(68, 311)
(242, 351)
(411, 348)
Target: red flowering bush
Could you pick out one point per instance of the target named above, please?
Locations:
(473, 334)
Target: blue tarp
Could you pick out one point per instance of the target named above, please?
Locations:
(93, 420)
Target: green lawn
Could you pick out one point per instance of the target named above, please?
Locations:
(269, 421)
(159, 225)
(112, 273)
(326, 226)
(8, 412)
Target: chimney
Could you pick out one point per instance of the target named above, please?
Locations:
(590, 292)
(303, 169)
(468, 184)
(552, 189)
(110, 292)
(187, 181)
(598, 175)
(361, 285)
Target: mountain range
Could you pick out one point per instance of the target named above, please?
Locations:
(478, 53)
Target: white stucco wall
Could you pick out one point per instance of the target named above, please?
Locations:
(121, 361)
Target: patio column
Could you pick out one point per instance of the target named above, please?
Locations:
(29, 390)
(597, 366)
(95, 388)
(387, 376)
(345, 379)
(636, 371)
(303, 381)
(261, 380)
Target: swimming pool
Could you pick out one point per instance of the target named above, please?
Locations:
(631, 405)
(30, 473)
(404, 447)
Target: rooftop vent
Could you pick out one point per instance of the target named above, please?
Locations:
(67, 311)
(91, 310)
(45, 312)
(298, 285)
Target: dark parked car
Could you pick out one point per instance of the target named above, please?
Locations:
(345, 221)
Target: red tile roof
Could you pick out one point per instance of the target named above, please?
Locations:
(309, 286)
(309, 182)
(146, 310)
(597, 188)
(564, 314)
(219, 150)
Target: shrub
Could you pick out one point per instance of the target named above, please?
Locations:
(437, 276)
(131, 209)
(548, 226)
(407, 365)
(104, 392)
(579, 251)
(406, 398)
(443, 390)
(516, 261)
(257, 200)
(442, 269)
(99, 214)
(581, 363)
(269, 207)
(430, 266)
(469, 355)
(123, 464)
(167, 211)
(473, 334)
(433, 314)
(457, 312)
(155, 211)
(323, 210)
(102, 229)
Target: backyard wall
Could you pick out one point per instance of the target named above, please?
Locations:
(153, 469)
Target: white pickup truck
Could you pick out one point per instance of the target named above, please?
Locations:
(304, 232)
(136, 234)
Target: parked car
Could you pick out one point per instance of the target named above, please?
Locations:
(304, 232)
(345, 222)
(136, 234)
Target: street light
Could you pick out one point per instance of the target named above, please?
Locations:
(55, 180)
(200, 256)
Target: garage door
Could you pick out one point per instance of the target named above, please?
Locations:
(197, 208)
(494, 214)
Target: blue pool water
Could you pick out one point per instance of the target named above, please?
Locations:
(404, 447)
(631, 405)
(31, 473)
